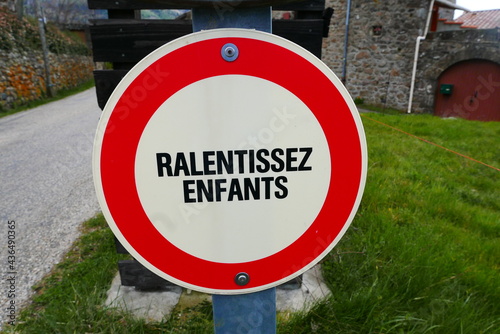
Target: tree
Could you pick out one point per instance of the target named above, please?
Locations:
(62, 12)
(9, 4)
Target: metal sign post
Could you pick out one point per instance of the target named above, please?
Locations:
(254, 312)
(258, 18)
(249, 313)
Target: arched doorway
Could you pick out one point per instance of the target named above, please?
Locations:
(469, 89)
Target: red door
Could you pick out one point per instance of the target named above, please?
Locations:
(470, 90)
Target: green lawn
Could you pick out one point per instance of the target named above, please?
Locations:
(421, 256)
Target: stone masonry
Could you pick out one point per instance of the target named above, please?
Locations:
(381, 49)
(22, 70)
(22, 75)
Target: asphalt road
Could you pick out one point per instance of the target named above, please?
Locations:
(46, 191)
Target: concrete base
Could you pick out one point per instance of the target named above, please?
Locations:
(155, 306)
(151, 306)
(312, 290)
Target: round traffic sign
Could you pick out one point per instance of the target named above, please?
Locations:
(229, 161)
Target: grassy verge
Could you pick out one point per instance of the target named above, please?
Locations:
(420, 257)
(380, 109)
(70, 299)
(60, 95)
(422, 254)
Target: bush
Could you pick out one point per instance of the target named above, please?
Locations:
(23, 35)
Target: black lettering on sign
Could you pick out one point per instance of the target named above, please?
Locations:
(279, 164)
(307, 153)
(251, 161)
(192, 161)
(262, 161)
(181, 165)
(267, 186)
(219, 189)
(241, 160)
(208, 190)
(208, 162)
(261, 157)
(283, 193)
(188, 191)
(163, 161)
(225, 162)
(235, 190)
(291, 159)
(251, 188)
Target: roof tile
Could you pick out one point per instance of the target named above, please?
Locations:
(483, 19)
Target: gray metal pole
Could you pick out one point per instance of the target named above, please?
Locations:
(45, 51)
(253, 312)
(346, 42)
(258, 18)
(20, 9)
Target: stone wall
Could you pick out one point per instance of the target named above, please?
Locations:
(22, 75)
(440, 50)
(22, 70)
(381, 48)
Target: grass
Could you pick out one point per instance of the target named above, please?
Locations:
(70, 299)
(377, 108)
(420, 257)
(61, 94)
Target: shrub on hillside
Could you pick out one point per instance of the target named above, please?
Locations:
(23, 35)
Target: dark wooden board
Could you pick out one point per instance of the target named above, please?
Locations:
(118, 246)
(310, 5)
(132, 273)
(135, 41)
(105, 82)
(132, 40)
(176, 4)
(306, 33)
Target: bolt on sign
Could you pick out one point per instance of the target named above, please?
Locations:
(229, 161)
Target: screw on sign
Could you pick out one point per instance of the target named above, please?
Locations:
(246, 162)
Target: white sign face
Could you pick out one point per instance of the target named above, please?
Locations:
(228, 161)
(249, 162)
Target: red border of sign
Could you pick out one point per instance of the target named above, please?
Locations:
(200, 60)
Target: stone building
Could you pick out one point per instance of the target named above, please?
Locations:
(383, 37)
